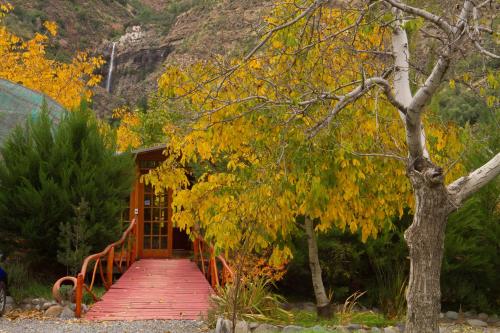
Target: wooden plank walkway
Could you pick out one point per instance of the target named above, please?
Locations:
(155, 289)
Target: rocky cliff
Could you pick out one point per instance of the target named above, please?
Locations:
(148, 34)
(225, 27)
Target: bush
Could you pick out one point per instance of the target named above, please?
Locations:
(255, 302)
(471, 264)
(74, 239)
(47, 170)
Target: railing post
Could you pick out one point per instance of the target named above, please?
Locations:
(214, 277)
(109, 268)
(202, 259)
(135, 233)
(195, 248)
(79, 295)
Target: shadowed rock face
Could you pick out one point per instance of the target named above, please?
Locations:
(225, 27)
(138, 68)
(138, 62)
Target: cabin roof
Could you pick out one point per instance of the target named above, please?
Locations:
(146, 150)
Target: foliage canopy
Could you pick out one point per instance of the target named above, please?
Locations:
(245, 130)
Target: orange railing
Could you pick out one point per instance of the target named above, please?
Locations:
(127, 249)
(209, 266)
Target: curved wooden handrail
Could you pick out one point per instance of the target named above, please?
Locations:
(211, 272)
(108, 248)
(79, 285)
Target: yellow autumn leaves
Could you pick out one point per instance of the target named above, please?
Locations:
(26, 62)
(245, 136)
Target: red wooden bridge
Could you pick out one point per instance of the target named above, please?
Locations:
(155, 289)
(147, 288)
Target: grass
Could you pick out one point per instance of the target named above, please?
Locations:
(33, 289)
(98, 291)
(368, 318)
(22, 284)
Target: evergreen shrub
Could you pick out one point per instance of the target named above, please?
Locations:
(47, 170)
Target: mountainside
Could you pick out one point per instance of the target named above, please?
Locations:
(147, 34)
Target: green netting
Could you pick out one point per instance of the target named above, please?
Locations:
(17, 103)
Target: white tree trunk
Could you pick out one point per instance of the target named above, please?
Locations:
(323, 305)
(402, 89)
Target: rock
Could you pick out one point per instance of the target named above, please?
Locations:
(292, 329)
(47, 305)
(72, 306)
(37, 301)
(9, 307)
(375, 330)
(85, 308)
(451, 315)
(317, 328)
(241, 327)
(309, 306)
(27, 306)
(354, 327)
(266, 328)
(391, 329)
(67, 313)
(227, 326)
(476, 323)
(493, 319)
(253, 325)
(9, 300)
(482, 316)
(27, 300)
(441, 315)
(223, 326)
(342, 329)
(54, 311)
(218, 326)
(38, 307)
(469, 314)
(376, 310)
(401, 326)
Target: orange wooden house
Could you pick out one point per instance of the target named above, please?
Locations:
(162, 274)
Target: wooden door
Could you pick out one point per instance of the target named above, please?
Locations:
(155, 223)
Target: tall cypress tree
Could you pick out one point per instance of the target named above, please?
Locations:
(48, 170)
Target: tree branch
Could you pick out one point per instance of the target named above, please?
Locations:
(352, 97)
(437, 20)
(464, 187)
(271, 32)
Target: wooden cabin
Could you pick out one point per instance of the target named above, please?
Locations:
(157, 237)
(145, 288)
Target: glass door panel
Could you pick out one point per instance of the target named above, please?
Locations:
(155, 236)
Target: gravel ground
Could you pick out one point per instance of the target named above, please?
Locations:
(82, 326)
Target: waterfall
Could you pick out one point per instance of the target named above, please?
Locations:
(110, 72)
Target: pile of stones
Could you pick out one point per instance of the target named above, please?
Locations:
(50, 308)
(450, 321)
(470, 318)
(225, 326)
